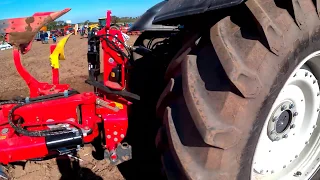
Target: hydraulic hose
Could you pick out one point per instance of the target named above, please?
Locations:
(43, 133)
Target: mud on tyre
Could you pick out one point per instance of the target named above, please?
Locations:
(227, 91)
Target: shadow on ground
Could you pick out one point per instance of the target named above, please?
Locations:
(72, 170)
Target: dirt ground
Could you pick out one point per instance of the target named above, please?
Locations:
(74, 72)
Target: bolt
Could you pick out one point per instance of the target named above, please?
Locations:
(115, 139)
(296, 156)
(285, 136)
(273, 131)
(306, 74)
(274, 118)
(291, 106)
(122, 135)
(272, 171)
(115, 133)
(108, 136)
(284, 166)
(292, 126)
(314, 81)
(307, 142)
(315, 126)
(4, 130)
(297, 174)
(277, 138)
(295, 114)
(113, 157)
(111, 60)
(294, 75)
(284, 107)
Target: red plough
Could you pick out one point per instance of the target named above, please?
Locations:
(56, 119)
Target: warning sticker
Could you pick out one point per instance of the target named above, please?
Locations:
(3, 137)
(120, 106)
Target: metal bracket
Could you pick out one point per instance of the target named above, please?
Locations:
(122, 153)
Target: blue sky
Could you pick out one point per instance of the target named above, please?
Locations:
(81, 10)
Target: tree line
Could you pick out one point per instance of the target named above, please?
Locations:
(56, 25)
(114, 20)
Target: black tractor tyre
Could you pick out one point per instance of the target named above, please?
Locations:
(220, 92)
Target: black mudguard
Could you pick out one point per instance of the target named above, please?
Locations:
(145, 21)
(179, 8)
(171, 9)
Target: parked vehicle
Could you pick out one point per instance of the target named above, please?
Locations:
(5, 46)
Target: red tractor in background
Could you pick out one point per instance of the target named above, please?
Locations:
(68, 28)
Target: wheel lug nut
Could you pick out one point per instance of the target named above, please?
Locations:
(284, 107)
(297, 174)
(292, 126)
(315, 126)
(295, 114)
(291, 106)
(285, 136)
(274, 118)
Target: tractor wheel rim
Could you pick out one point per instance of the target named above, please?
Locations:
(289, 143)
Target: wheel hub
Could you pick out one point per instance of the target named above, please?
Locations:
(284, 144)
(282, 121)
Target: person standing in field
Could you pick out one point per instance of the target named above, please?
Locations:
(42, 37)
(46, 37)
(54, 38)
